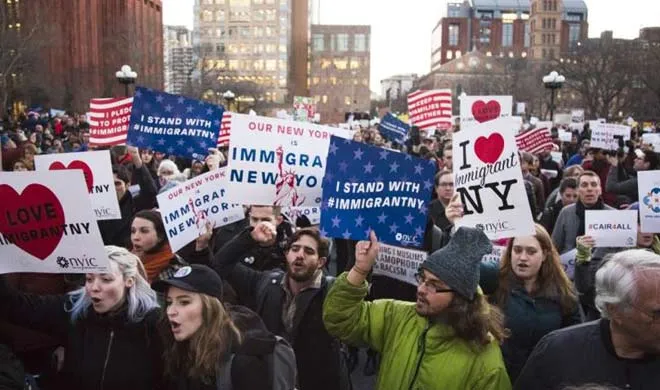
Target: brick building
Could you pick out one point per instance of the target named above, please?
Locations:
(80, 46)
(340, 70)
(509, 28)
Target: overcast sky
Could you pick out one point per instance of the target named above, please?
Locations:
(401, 30)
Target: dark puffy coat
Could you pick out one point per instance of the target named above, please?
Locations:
(550, 215)
(102, 351)
(318, 355)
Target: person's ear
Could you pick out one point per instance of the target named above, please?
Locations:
(130, 282)
(322, 262)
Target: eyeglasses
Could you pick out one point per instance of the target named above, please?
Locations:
(421, 279)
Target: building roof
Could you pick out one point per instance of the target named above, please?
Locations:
(524, 5)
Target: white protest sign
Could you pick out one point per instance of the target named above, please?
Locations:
(648, 183)
(495, 255)
(652, 139)
(312, 213)
(399, 263)
(480, 109)
(568, 261)
(97, 168)
(612, 228)
(276, 162)
(577, 116)
(604, 135)
(557, 157)
(564, 136)
(488, 177)
(186, 207)
(562, 119)
(577, 127)
(47, 224)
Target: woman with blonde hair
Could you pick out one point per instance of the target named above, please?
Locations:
(108, 327)
(533, 291)
(206, 345)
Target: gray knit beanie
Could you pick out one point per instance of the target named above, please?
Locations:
(457, 264)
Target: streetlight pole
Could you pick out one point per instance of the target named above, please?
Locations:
(553, 82)
(126, 76)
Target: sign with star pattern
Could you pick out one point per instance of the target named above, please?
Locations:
(369, 188)
(173, 124)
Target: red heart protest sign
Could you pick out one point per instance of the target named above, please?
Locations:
(76, 164)
(489, 149)
(484, 112)
(31, 220)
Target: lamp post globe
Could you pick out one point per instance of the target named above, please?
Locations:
(229, 96)
(553, 81)
(126, 76)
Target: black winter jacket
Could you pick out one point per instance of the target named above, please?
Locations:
(318, 355)
(584, 354)
(103, 352)
(249, 368)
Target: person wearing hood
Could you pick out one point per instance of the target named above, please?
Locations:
(168, 171)
(448, 339)
(207, 345)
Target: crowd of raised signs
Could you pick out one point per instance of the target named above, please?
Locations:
(193, 291)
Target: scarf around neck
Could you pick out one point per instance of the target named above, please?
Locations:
(580, 208)
(155, 263)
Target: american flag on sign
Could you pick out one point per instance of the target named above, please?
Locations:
(534, 141)
(225, 129)
(108, 121)
(430, 109)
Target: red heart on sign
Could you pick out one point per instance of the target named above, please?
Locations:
(76, 164)
(484, 112)
(489, 149)
(37, 209)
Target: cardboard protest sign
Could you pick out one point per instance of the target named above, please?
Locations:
(488, 178)
(312, 213)
(393, 129)
(99, 181)
(276, 162)
(648, 183)
(652, 139)
(108, 121)
(304, 108)
(47, 224)
(173, 124)
(481, 109)
(564, 136)
(399, 263)
(430, 109)
(612, 228)
(366, 188)
(605, 135)
(562, 119)
(186, 208)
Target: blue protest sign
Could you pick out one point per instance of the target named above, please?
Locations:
(393, 128)
(173, 124)
(367, 188)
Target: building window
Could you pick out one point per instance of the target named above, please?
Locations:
(325, 99)
(271, 65)
(507, 34)
(219, 16)
(573, 34)
(342, 42)
(458, 54)
(573, 17)
(453, 11)
(449, 54)
(239, 16)
(360, 42)
(207, 16)
(348, 100)
(355, 63)
(551, 54)
(454, 33)
(318, 42)
(341, 63)
(527, 33)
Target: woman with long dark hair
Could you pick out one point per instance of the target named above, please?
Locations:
(208, 346)
(535, 294)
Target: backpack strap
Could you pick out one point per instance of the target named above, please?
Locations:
(223, 374)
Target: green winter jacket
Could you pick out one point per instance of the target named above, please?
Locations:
(415, 354)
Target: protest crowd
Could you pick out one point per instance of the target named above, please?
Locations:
(505, 284)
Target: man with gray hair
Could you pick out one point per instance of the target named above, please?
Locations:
(623, 348)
